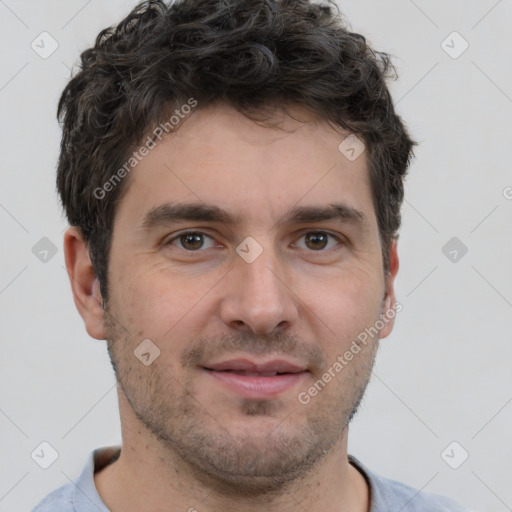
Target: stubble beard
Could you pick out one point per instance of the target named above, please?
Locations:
(235, 461)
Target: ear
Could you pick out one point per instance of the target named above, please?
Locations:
(84, 284)
(389, 306)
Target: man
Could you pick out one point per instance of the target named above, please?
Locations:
(232, 172)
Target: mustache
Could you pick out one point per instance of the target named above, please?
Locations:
(206, 349)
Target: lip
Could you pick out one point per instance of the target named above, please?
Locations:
(247, 378)
(274, 365)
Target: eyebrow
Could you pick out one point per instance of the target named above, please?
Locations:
(175, 212)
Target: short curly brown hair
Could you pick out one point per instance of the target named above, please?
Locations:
(249, 54)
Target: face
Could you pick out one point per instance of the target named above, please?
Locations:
(250, 295)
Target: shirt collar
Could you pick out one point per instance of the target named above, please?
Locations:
(87, 499)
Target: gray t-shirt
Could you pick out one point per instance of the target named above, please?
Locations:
(385, 495)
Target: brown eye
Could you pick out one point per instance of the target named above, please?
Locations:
(191, 241)
(319, 241)
(316, 241)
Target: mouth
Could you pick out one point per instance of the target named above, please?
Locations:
(257, 380)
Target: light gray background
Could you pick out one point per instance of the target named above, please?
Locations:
(444, 375)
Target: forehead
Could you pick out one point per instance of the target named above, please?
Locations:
(219, 156)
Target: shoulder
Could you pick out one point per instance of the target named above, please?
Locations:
(409, 499)
(80, 495)
(59, 500)
(387, 495)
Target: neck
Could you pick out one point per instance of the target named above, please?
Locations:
(147, 476)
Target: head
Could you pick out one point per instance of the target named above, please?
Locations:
(217, 213)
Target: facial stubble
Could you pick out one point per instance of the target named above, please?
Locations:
(236, 460)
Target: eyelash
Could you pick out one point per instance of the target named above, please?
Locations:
(183, 233)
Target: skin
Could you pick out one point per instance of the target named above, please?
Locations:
(189, 442)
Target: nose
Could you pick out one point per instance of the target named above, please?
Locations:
(258, 296)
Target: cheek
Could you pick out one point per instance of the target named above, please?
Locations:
(345, 306)
(156, 300)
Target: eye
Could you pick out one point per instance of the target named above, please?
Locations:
(318, 240)
(191, 241)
